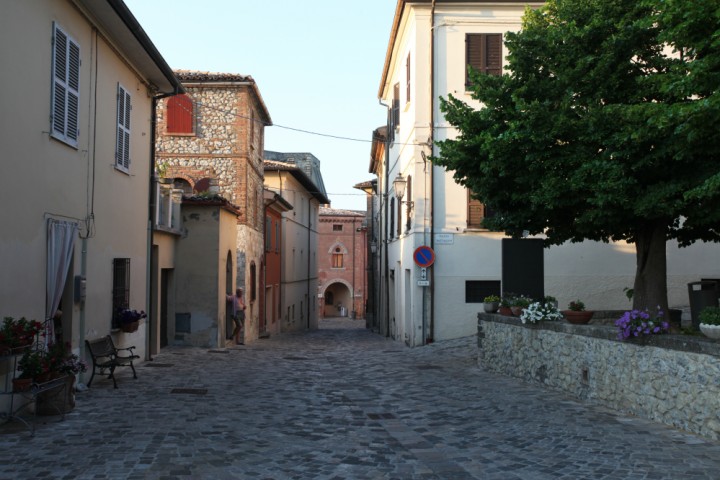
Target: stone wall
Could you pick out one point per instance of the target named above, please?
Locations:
(672, 379)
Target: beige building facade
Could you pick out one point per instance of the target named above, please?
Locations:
(80, 78)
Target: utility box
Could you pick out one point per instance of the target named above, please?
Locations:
(702, 294)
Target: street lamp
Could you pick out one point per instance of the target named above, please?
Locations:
(399, 185)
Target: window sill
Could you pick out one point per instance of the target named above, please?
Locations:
(180, 134)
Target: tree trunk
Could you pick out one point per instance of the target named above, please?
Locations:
(650, 290)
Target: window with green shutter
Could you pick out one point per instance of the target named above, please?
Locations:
(122, 150)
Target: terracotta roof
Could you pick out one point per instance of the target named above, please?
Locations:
(305, 181)
(337, 212)
(196, 76)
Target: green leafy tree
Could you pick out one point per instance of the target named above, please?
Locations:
(604, 127)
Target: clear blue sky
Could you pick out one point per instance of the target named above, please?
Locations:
(317, 64)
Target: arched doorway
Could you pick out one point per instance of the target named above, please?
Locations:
(338, 300)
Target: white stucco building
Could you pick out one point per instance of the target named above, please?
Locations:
(430, 46)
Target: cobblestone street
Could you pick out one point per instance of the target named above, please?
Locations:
(341, 403)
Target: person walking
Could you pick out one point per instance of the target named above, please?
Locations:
(238, 314)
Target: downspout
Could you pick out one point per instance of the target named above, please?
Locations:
(383, 229)
(432, 169)
(151, 218)
(352, 293)
(310, 297)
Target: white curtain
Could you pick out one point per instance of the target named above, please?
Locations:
(60, 243)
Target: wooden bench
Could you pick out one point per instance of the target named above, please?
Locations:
(106, 356)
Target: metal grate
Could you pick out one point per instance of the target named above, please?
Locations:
(380, 416)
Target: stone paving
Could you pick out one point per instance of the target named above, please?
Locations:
(341, 403)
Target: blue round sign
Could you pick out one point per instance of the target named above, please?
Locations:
(424, 256)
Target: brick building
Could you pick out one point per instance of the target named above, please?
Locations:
(342, 263)
(212, 139)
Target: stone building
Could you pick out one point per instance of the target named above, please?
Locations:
(342, 263)
(212, 140)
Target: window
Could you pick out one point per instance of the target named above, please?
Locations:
(122, 150)
(477, 290)
(477, 212)
(396, 106)
(268, 234)
(337, 228)
(277, 236)
(65, 87)
(392, 218)
(329, 298)
(483, 52)
(399, 218)
(180, 115)
(408, 213)
(337, 258)
(120, 286)
(253, 282)
(407, 79)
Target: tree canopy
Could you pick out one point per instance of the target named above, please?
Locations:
(604, 127)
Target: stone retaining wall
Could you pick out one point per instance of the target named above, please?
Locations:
(673, 379)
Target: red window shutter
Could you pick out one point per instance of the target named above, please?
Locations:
(179, 114)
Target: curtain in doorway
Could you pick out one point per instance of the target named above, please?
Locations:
(60, 243)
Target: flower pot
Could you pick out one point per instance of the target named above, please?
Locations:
(710, 331)
(22, 384)
(505, 311)
(130, 327)
(57, 400)
(491, 307)
(577, 318)
(516, 311)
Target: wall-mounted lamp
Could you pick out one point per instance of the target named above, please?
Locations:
(399, 185)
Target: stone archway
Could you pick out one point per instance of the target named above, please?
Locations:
(337, 298)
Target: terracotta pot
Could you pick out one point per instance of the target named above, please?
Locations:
(22, 384)
(516, 311)
(130, 327)
(505, 311)
(577, 318)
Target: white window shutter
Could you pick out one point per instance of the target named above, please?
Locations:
(122, 154)
(66, 87)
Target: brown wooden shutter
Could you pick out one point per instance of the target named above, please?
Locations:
(475, 213)
(179, 114)
(396, 106)
(483, 52)
(407, 79)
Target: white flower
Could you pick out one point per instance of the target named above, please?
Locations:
(537, 312)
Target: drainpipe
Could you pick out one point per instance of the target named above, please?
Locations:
(310, 297)
(432, 170)
(151, 220)
(383, 228)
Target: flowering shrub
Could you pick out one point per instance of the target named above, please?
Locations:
(537, 312)
(59, 359)
(637, 323)
(16, 333)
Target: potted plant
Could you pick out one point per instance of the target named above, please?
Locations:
(61, 363)
(129, 320)
(31, 366)
(504, 306)
(491, 303)
(550, 299)
(710, 322)
(576, 313)
(17, 335)
(539, 311)
(639, 323)
(518, 304)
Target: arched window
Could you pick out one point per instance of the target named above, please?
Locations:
(180, 115)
